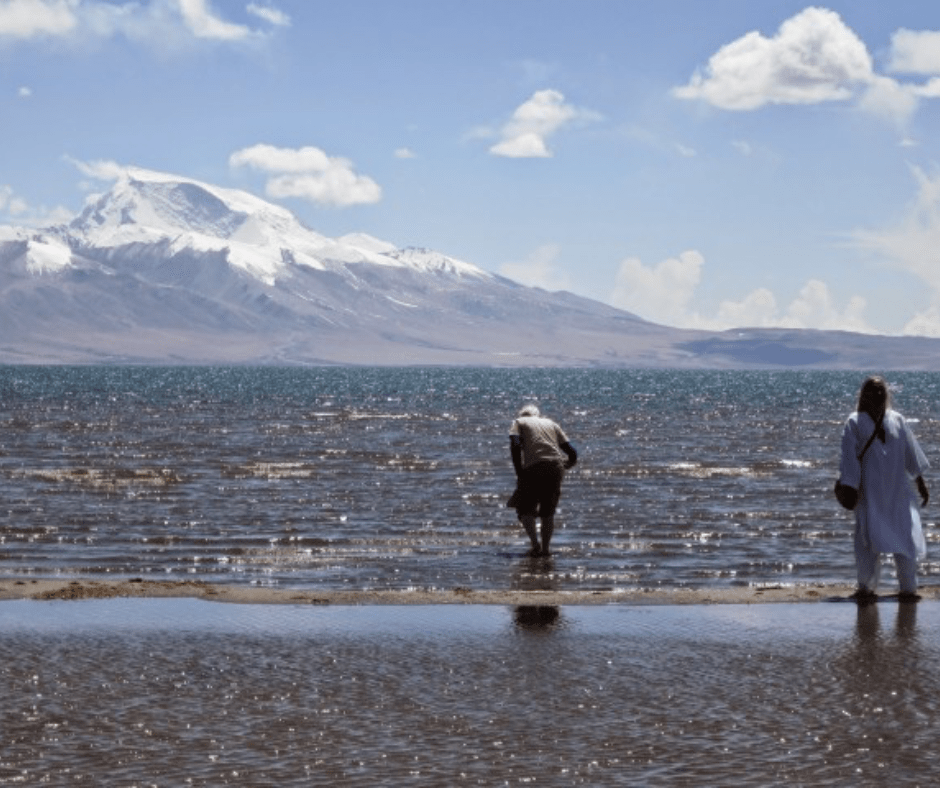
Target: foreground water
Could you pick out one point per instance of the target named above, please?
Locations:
(184, 692)
(396, 478)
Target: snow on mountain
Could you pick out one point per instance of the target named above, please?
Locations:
(164, 269)
(261, 239)
(47, 256)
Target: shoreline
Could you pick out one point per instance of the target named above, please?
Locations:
(88, 588)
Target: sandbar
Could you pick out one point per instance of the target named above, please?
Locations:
(94, 588)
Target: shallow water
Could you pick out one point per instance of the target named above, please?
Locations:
(396, 478)
(185, 692)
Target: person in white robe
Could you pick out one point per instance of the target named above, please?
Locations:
(884, 475)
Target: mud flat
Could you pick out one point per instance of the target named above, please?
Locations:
(86, 588)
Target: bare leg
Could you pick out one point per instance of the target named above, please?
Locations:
(528, 522)
(548, 528)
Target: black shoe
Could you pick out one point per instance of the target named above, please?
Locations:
(863, 596)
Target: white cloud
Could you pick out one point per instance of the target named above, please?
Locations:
(924, 324)
(310, 174)
(525, 135)
(35, 18)
(15, 209)
(665, 294)
(539, 269)
(756, 310)
(814, 57)
(661, 293)
(158, 23)
(890, 99)
(24, 92)
(99, 170)
(10, 203)
(268, 14)
(814, 308)
(405, 153)
(913, 243)
(203, 23)
(915, 52)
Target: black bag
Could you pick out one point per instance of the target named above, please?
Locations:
(845, 495)
(848, 496)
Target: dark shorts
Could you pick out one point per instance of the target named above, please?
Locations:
(539, 489)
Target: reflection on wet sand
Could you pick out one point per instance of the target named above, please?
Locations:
(174, 690)
(536, 617)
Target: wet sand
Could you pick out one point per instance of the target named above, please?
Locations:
(180, 691)
(86, 588)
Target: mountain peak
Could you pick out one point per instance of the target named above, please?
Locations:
(145, 204)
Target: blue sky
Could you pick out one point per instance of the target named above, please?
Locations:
(702, 163)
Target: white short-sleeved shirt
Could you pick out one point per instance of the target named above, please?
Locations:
(887, 508)
(541, 440)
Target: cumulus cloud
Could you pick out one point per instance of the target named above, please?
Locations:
(310, 174)
(665, 294)
(815, 57)
(526, 133)
(157, 23)
(915, 52)
(661, 293)
(814, 308)
(539, 269)
(924, 324)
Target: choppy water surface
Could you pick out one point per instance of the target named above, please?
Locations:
(396, 478)
(183, 692)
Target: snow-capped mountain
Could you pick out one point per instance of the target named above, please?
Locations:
(166, 269)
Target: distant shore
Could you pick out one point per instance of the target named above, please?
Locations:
(87, 588)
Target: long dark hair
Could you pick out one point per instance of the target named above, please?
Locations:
(874, 398)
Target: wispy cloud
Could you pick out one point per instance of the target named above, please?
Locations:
(270, 15)
(17, 210)
(526, 134)
(204, 23)
(913, 245)
(99, 169)
(157, 23)
(310, 174)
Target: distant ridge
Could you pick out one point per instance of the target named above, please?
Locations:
(168, 270)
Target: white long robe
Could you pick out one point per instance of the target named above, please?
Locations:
(886, 514)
